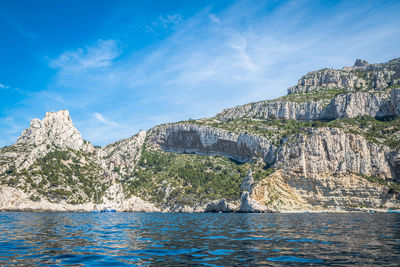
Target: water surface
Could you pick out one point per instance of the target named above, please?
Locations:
(116, 239)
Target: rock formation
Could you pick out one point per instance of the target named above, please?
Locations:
(332, 143)
(186, 138)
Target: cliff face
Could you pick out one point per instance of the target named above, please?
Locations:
(358, 104)
(279, 109)
(327, 167)
(321, 147)
(121, 157)
(326, 79)
(361, 75)
(330, 150)
(56, 130)
(364, 89)
(186, 138)
(345, 105)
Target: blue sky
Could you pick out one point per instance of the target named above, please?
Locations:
(122, 66)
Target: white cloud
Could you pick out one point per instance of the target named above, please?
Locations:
(168, 20)
(97, 56)
(164, 22)
(214, 18)
(103, 120)
(3, 86)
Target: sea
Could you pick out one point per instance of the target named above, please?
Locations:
(199, 239)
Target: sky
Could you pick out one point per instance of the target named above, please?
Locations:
(124, 66)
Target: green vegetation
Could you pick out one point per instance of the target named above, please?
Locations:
(326, 94)
(383, 131)
(185, 178)
(61, 175)
(394, 187)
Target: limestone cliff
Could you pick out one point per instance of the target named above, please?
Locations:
(203, 140)
(343, 105)
(361, 76)
(364, 89)
(327, 167)
(332, 143)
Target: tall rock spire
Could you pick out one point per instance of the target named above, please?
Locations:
(55, 129)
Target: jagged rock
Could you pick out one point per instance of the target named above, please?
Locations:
(376, 76)
(325, 191)
(248, 182)
(395, 101)
(279, 109)
(122, 155)
(13, 199)
(220, 206)
(55, 132)
(331, 150)
(394, 159)
(184, 208)
(357, 104)
(361, 64)
(55, 129)
(138, 205)
(250, 205)
(327, 79)
(348, 105)
(186, 138)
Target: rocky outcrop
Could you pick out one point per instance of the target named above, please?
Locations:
(136, 204)
(395, 101)
(394, 160)
(327, 79)
(115, 197)
(248, 182)
(121, 157)
(187, 138)
(55, 132)
(348, 105)
(323, 192)
(13, 199)
(279, 109)
(361, 75)
(55, 129)
(249, 205)
(325, 169)
(221, 206)
(357, 104)
(331, 150)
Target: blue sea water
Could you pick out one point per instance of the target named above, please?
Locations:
(117, 239)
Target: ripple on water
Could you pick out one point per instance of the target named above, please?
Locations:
(30, 239)
(221, 252)
(293, 259)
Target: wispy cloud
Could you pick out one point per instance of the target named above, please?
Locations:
(11, 128)
(99, 55)
(3, 86)
(168, 20)
(214, 18)
(103, 120)
(163, 22)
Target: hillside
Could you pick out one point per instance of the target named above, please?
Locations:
(332, 143)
